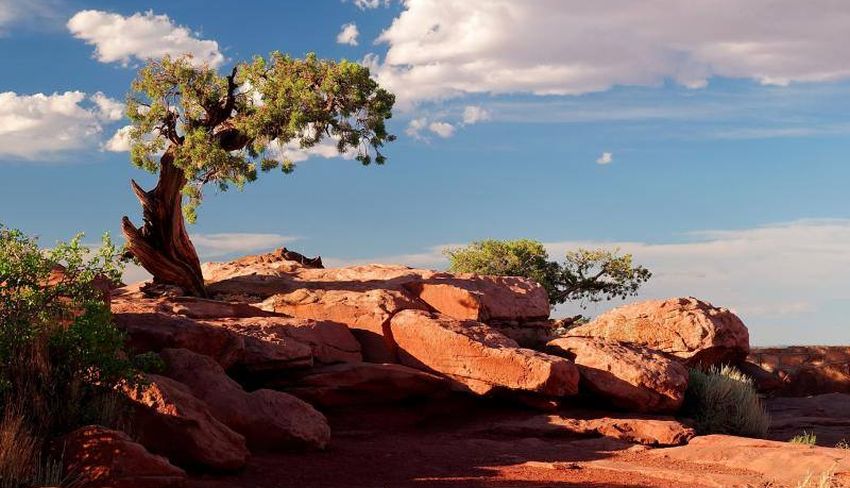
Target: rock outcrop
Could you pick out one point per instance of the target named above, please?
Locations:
(630, 376)
(478, 358)
(173, 422)
(347, 384)
(690, 329)
(268, 419)
(96, 457)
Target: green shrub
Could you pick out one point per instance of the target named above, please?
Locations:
(61, 357)
(584, 275)
(724, 401)
(806, 438)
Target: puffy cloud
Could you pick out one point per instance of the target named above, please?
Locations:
(348, 34)
(140, 36)
(442, 129)
(472, 114)
(119, 142)
(444, 48)
(217, 245)
(605, 158)
(42, 125)
(417, 126)
(293, 151)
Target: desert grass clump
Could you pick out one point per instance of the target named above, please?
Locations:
(824, 480)
(806, 438)
(724, 401)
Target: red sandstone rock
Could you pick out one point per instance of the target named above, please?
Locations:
(631, 377)
(173, 422)
(96, 457)
(326, 342)
(154, 331)
(366, 311)
(482, 298)
(364, 383)
(365, 297)
(687, 328)
(477, 357)
(268, 419)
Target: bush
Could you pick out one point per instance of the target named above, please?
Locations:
(724, 401)
(584, 276)
(61, 357)
(806, 438)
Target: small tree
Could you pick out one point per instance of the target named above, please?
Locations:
(585, 275)
(194, 126)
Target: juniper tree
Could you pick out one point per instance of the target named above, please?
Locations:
(584, 275)
(194, 126)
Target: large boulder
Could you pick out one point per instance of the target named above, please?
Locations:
(173, 422)
(477, 357)
(154, 331)
(96, 457)
(631, 377)
(365, 310)
(690, 329)
(363, 383)
(481, 298)
(268, 419)
(323, 341)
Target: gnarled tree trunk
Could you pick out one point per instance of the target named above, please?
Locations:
(162, 244)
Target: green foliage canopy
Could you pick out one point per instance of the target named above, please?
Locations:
(222, 129)
(584, 275)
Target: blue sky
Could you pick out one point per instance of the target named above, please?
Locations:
(726, 133)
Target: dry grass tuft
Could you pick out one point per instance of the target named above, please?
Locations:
(724, 401)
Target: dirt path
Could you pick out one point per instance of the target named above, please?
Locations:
(383, 450)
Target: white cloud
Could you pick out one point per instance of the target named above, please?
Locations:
(217, 245)
(472, 114)
(14, 11)
(42, 125)
(348, 34)
(442, 129)
(445, 48)
(415, 127)
(140, 36)
(605, 158)
(370, 4)
(119, 142)
(418, 125)
(293, 151)
(110, 109)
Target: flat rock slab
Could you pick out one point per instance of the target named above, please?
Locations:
(478, 357)
(782, 462)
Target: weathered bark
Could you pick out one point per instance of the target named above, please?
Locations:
(162, 244)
